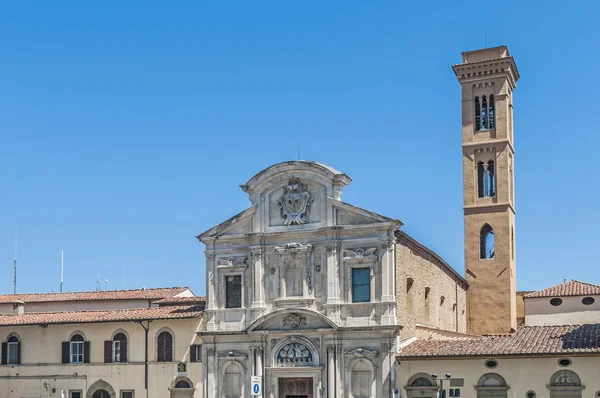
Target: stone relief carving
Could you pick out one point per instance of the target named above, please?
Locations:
(294, 203)
(362, 352)
(294, 320)
(360, 254)
(233, 354)
(210, 352)
(318, 268)
(294, 354)
(292, 246)
(232, 261)
(309, 280)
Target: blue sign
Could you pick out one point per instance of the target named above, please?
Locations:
(256, 388)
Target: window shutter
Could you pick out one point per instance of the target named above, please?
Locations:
(169, 351)
(108, 351)
(4, 353)
(123, 350)
(160, 355)
(86, 352)
(193, 353)
(19, 352)
(65, 352)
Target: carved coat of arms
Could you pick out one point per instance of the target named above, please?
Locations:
(295, 203)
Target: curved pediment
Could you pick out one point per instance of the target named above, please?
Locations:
(288, 319)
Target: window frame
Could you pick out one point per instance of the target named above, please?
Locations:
(122, 392)
(353, 269)
(170, 332)
(79, 343)
(13, 345)
(116, 355)
(80, 392)
(242, 289)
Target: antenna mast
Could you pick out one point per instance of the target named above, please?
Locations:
(62, 269)
(15, 266)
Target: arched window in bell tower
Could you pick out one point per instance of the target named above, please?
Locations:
(486, 242)
(486, 180)
(492, 113)
(484, 113)
(477, 114)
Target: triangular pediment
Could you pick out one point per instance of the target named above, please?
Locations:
(348, 214)
(241, 223)
(297, 319)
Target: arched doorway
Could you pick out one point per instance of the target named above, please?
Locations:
(101, 389)
(421, 385)
(491, 385)
(565, 384)
(182, 387)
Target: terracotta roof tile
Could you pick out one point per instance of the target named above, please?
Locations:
(134, 294)
(570, 288)
(181, 300)
(139, 314)
(528, 340)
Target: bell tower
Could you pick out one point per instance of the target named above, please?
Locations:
(488, 78)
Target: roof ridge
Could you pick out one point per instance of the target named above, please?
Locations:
(164, 308)
(141, 289)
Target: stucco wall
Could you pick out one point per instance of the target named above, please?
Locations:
(415, 262)
(521, 374)
(539, 311)
(41, 359)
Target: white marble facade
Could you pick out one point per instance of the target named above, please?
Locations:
(300, 291)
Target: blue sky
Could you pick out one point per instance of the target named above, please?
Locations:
(126, 127)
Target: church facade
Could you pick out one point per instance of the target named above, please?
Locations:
(312, 294)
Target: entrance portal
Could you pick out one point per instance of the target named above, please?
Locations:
(296, 388)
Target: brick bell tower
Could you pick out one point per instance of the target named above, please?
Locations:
(488, 78)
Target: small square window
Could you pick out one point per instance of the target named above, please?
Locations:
(126, 394)
(75, 394)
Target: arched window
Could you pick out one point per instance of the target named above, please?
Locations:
(77, 349)
(11, 351)
(486, 242)
(492, 113)
(490, 180)
(486, 179)
(119, 348)
(232, 381)
(484, 113)
(182, 384)
(101, 394)
(165, 347)
(491, 385)
(477, 114)
(361, 381)
(422, 382)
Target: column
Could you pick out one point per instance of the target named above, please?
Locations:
(333, 295)
(211, 372)
(257, 263)
(282, 287)
(210, 280)
(331, 371)
(339, 381)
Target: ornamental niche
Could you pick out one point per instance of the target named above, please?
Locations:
(294, 203)
(294, 354)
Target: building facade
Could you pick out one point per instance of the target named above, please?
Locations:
(311, 293)
(101, 352)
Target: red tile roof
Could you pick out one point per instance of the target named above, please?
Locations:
(135, 294)
(181, 300)
(570, 288)
(139, 314)
(527, 340)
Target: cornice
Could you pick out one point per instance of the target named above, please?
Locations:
(486, 143)
(486, 70)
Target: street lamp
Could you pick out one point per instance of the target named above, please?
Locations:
(442, 392)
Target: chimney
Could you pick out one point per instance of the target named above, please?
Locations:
(18, 307)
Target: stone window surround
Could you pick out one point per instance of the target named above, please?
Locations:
(223, 291)
(349, 265)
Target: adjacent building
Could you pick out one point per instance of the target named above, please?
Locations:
(105, 344)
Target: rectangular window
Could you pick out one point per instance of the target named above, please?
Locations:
(233, 291)
(116, 351)
(75, 394)
(13, 353)
(126, 394)
(361, 285)
(77, 352)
